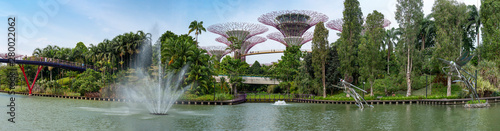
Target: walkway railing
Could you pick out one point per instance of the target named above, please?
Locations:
(258, 97)
(59, 61)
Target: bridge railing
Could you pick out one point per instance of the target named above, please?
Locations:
(59, 61)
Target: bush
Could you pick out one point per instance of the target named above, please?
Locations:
(20, 89)
(484, 86)
(389, 83)
(418, 82)
(475, 101)
(88, 81)
(218, 97)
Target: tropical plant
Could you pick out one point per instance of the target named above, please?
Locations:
(197, 27)
(320, 48)
(408, 14)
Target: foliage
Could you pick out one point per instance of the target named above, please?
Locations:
(320, 50)
(370, 57)
(234, 68)
(408, 14)
(207, 97)
(332, 68)
(179, 51)
(392, 35)
(488, 76)
(197, 27)
(286, 69)
(88, 81)
(471, 28)
(484, 86)
(388, 85)
(490, 19)
(200, 72)
(255, 69)
(350, 37)
(308, 64)
(303, 83)
(476, 102)
(427, 35)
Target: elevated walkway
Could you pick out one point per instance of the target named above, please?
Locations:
(253, 80)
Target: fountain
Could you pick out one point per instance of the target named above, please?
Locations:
(157, 94)
(279, 103)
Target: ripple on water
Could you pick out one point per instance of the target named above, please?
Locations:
(120, 111)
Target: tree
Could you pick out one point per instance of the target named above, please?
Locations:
(235, 47)
(320, 50)
(197, 27)
(287, 68)
(408, 14)
(470, 27)
(350, 36)
(88, 81)
(490, 18)
(233, 68)
(449, 16)
(180, 51)
(255, 69)
(427, 33)
(392, 35)
(332, 67)
(176, 51)
(200, 71)
(369, 51)
(78, 52)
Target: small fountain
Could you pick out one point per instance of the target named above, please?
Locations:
(158, 95)
(279, 103)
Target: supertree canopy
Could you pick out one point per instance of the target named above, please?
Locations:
(217, 51)
(292, 40)
(246, 46)
(337, 24)
(292, 22)
(242, 31)
(6, 56)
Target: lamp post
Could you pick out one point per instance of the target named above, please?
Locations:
(364, 89)
(214, 87)
(426, 85)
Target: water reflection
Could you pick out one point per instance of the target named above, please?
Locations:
(66, 114)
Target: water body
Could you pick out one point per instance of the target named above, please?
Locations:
(43, 113)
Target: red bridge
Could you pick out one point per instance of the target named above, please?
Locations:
(42, 61)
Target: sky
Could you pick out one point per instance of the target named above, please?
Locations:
(66, 22)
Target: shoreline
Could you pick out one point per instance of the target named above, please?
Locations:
(242, 99)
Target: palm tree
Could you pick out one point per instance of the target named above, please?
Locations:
(427, 33)
(392, 35)
(236, 46)
(472, 27)
(176, 52)
(197, 27)
(37, 52)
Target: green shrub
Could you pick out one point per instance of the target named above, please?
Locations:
(484, 86)
(208, 97)
(475, 101)
(390, 83)
(419, 82)
(88, 81)
(20, 89)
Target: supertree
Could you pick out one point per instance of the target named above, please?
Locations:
(246, 46)
(217, 51)
(337, 24)
(6, 56)
(242, 31)
(277, 36)
(292, 23)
